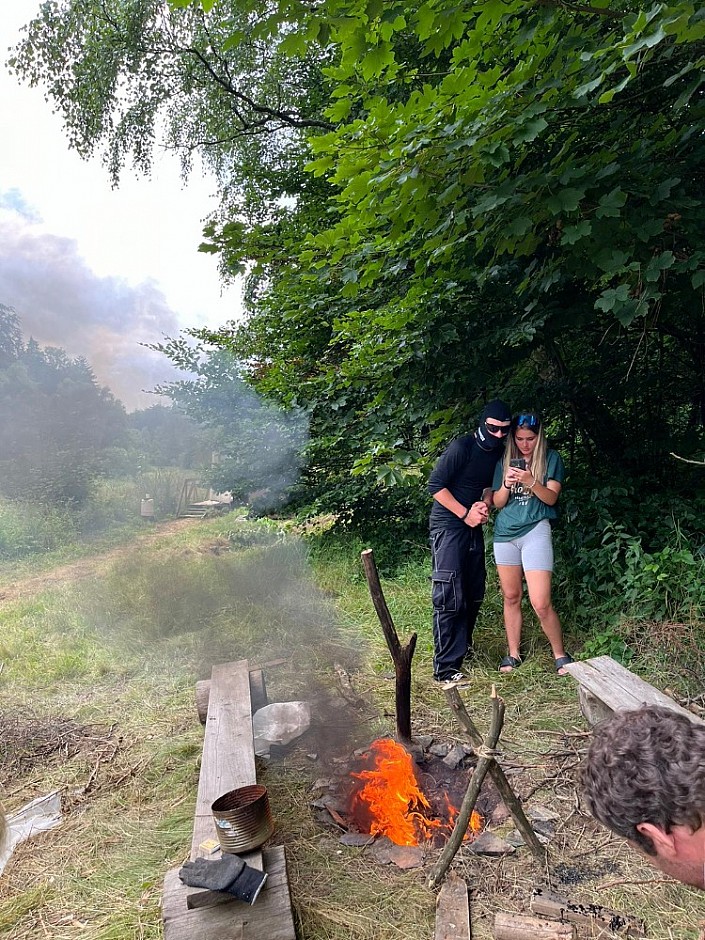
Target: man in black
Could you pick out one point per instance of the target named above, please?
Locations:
(457, 482)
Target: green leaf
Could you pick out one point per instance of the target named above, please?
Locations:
(698, 279)
(573, 233)
(610, 204)
(567, 200)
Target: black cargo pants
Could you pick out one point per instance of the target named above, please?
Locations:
(458, 588)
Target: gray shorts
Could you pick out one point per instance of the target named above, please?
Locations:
(533, 551)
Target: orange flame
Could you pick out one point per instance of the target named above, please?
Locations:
(396, 805)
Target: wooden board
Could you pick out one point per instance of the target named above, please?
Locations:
(258, 694)
(228, 759)
(606, 687)
(453, 910)
(600, 919)
(269, 918)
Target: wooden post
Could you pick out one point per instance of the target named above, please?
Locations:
(485, 761)
(498, 778)
(401, 655)
(521, 927)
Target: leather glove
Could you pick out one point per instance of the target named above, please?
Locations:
(229, 874)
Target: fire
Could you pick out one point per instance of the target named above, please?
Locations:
(393, 801)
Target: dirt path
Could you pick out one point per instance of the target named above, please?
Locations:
(88, 566)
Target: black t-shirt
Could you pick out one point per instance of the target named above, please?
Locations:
(465, 469)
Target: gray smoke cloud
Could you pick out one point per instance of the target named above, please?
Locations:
(61, 302)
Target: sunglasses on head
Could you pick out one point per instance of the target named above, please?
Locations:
(497, 429)
(530, 421)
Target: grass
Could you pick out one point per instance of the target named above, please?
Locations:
(96, 698)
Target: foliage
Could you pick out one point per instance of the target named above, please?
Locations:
(56, 422)
(165, 437)
(257, 443)
(456, 200)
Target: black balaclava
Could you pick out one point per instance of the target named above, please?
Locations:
(497, 410)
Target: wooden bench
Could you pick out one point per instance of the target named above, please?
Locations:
(606, 687)
(228, 762)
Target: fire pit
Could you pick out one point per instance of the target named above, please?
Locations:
(386, 793)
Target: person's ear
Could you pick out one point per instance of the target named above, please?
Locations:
(664, 842)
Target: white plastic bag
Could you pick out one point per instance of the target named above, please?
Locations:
(279, 723)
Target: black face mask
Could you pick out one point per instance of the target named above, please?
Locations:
(489, 441)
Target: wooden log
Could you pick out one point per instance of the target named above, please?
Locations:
(485, 761)
(401, 655)
(523, 927)
(453, 910)
(550, 904)
(258, 694)
(498, 778)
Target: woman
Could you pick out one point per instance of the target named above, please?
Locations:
(526, 488)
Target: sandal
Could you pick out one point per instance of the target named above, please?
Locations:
(509, 664)
(563, 661)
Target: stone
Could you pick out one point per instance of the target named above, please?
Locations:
(439, 750)
(455, 756)
(406, 856)
(489, 844)
(356, 839)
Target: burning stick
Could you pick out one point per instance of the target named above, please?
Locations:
(486, 755)
(499, 779)
(402, 655)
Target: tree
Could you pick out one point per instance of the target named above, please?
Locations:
(502, 196)
(258, 444)
(56, 422)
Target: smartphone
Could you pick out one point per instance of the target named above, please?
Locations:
(520, 463)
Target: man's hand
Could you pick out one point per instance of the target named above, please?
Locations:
(478, 515)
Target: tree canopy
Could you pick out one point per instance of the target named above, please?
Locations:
(432, 202)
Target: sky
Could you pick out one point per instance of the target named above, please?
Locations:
(95, 270)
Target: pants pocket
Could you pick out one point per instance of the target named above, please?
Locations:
(443, 593)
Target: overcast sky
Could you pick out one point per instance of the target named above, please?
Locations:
(94, 270)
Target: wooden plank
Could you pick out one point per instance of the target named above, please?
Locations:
(258, 694)
(269, 918)
(546, 902)
(618, 689)
(523, 927)
(453, 910)
(228, 759)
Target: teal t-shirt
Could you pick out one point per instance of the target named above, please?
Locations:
(523, 511)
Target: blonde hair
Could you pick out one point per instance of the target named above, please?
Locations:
(538, 458)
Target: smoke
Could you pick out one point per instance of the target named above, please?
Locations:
(61, 302)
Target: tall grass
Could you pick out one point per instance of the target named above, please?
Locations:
(28, 529)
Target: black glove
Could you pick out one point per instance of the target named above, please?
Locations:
(229, 874)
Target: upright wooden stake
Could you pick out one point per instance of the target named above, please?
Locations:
(401, 655)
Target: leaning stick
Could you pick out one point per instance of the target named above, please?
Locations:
(485, 760)
(499, 779)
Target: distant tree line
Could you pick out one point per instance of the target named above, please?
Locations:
(61, 431)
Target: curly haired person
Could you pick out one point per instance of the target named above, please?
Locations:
(644, 778)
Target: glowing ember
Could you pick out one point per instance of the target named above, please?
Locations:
(393, 801)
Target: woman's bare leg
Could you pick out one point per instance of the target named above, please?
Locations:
(539, 585)
(510, 580)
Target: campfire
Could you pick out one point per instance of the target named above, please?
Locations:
(389, 800)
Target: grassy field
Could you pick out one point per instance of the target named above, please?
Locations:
(97, 701)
